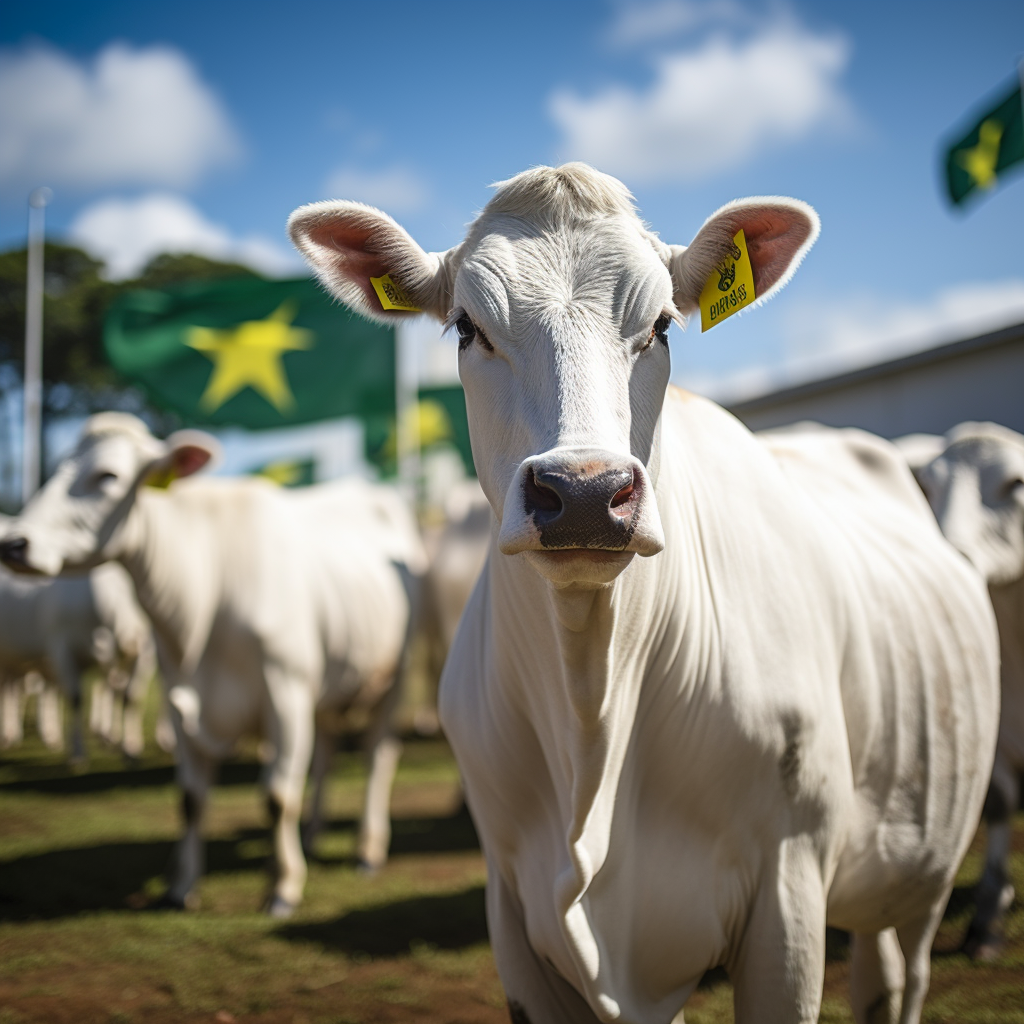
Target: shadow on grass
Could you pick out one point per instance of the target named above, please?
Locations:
(451, 834)
(59, 779)
(108, 876)
(111, 876)
(451, 921)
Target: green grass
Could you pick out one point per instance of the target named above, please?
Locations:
(82, 855)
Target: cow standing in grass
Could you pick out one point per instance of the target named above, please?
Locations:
(975, 485)
(270, 607)
(59, 630)
(705, 699)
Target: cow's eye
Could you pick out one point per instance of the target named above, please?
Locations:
(659, 331)
(1011, 486)
(468, 331)
(104, 477)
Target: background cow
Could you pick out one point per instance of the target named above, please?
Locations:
(52, 632)
(269, 607)
(781, 713)
(975, 484)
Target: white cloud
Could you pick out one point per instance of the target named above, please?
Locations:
(829, 337)
(653, 22)
(131, 117)
(710, 108)
(396, 189)
(127, 233)
(865, 330)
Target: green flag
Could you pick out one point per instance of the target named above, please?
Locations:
(995, 143)
(452, 400)
(288, 472)
(251, 353)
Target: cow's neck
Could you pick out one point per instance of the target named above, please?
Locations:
(577, 678)
(158, 549)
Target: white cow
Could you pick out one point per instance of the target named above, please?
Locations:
(458, 557)
(269, 607)
(976, 487)
(457, 552)
(58, 629)
(781, 714)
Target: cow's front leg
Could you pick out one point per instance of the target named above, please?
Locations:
(12, 711)
(69, 674)
(536, 993)
(994, 892)
(140, 673)
(779, 967)
(50, 715)
(323, 755)
(383, 750)
(290, 730)
(195, 774)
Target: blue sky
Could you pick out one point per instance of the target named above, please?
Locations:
(207, 123)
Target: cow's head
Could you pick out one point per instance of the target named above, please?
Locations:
(562, 300)
(976, 489)
(75, 520)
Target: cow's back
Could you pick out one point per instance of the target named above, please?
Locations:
(313, 575)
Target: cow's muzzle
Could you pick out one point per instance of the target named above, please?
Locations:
(583, 500)
(14, 553)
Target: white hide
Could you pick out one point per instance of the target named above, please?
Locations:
(782, 716)
(975, 485)
(458, 558)
(269, 607)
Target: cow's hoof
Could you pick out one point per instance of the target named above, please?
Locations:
(367, 868)
(279, 908)
(171, 902)
(983, 945)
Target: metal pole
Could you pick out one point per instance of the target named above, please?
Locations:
(407, 428)
(32, 394)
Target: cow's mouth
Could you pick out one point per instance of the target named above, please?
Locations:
(600, 556)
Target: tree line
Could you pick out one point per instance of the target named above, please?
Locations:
(77, 379)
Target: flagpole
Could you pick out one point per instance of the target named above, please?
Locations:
(407, 426)
(32, 392)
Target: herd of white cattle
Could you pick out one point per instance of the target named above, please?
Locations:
(709, 692)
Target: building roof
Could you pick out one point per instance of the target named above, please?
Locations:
(931, 356)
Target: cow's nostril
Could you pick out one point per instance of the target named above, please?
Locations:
(539, 497)
(12, 550)
(623, 494)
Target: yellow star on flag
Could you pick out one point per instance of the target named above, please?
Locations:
(980, 161)
(249, 355)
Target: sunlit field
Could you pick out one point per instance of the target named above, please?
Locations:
(83, 854)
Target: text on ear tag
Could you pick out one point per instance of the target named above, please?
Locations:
(391, 294)
(730, 286)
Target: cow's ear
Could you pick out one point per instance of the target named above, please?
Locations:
(370, 262)
(187, 452)
(778, 233)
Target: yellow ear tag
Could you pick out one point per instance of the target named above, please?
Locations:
(391, 295)
(730, 286)
(161, 479)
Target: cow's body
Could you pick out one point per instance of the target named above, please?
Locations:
(717, 730)
(60, 629)
(709, 692)
(270, 609)
(975, 482)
